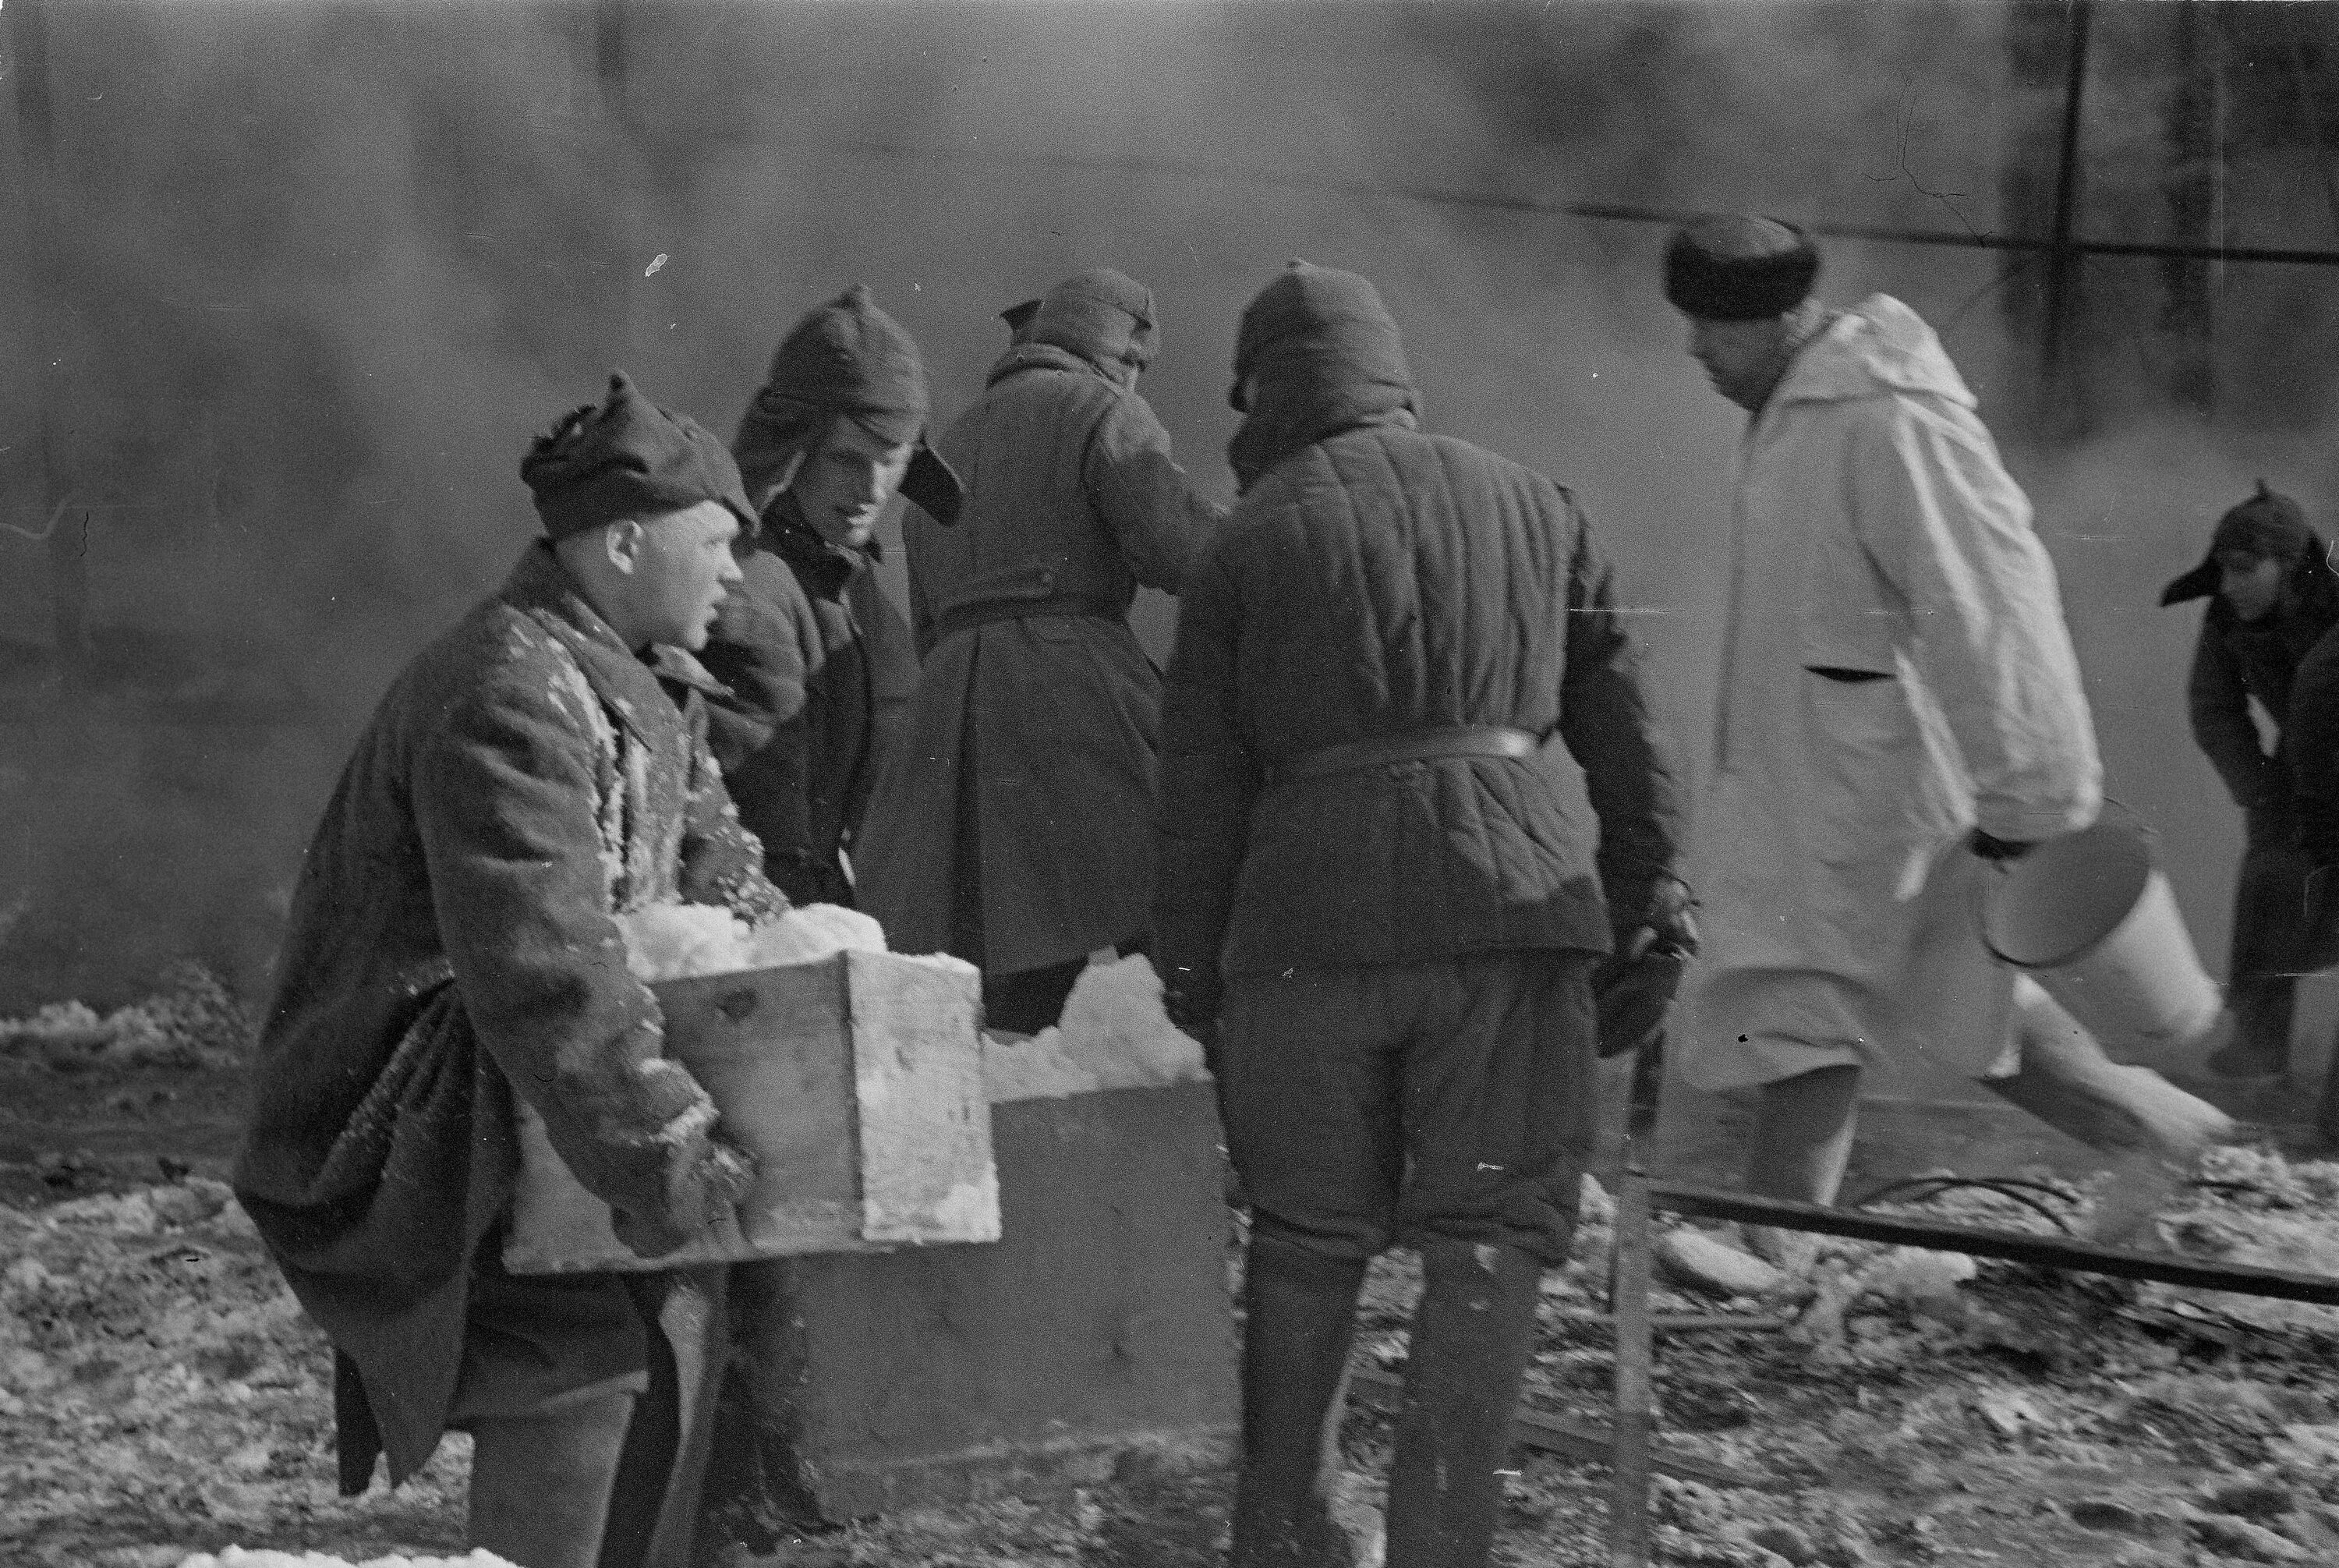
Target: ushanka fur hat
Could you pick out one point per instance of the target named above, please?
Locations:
(2268, 525)
(1739, 267)
(845, 358)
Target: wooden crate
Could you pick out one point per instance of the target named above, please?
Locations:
(857, 1084)
(1099, 1325)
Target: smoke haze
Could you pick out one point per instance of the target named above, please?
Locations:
(318, 273)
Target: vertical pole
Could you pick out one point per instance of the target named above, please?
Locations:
(1628, 1491)
(28, 40)
(2062, 261)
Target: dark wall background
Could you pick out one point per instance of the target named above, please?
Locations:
(314, 274)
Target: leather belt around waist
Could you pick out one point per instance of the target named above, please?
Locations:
(986, 612)
(1420, 745)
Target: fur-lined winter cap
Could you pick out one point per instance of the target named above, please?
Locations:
(844, 358)
(2268, 525)
(1739, 267)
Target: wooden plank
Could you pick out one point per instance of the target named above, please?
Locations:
(1628, 1482)
(926, 1171)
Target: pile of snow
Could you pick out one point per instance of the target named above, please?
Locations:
(679, 940)
(1112, 1034)
(237, 1557)
(192, 1021)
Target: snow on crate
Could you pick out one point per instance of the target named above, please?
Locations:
(237, 1557)
(1113, 1034)
(680, 941)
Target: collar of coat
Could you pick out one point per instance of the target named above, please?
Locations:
(1049, 356)
(628, 684)
(821, 567)
(1877, 348)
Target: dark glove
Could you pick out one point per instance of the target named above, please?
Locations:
(1668, 923)
(1191, 1000)
(1998, 849)
(1634, 996)
(1634, 988)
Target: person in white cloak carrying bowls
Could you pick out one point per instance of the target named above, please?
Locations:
(1900, 705)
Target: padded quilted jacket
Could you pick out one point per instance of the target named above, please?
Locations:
(1375, 581)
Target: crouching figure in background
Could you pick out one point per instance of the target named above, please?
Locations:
(537, 770)
(1411, 794)
(2266, 636)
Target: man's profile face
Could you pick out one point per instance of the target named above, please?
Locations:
(1742, 358)
(845, 485)
(2251, 584)
(682, 565)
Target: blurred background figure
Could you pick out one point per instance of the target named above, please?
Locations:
(2265, 639)
(1014, 827)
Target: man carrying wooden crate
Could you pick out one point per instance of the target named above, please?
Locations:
(1411, 793)
(538, 769)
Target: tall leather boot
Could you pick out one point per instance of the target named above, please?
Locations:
(540, 1483)
(1299, 1315)
(1472, 1336)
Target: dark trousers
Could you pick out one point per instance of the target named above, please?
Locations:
(2285, 924)
(1448, 1098)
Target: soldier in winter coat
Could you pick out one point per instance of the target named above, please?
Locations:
(1013, 827)
(1900, 705)
(537, 770)
(2268, 638)
(1411, 794)
(818, 662)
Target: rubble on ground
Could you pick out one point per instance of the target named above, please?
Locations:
(162, 1395)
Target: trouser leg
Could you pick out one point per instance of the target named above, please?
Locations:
(653, 1508)
(1801, 1139)
(541, 1483)
(1501, 1114)
(2270, 917)
(1298, 1318)
(2153, 1132)
(1472, 1336)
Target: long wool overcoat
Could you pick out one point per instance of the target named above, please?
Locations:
(1876, 539)
(1025, 782)
(451, 944)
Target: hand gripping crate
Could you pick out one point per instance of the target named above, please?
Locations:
(855, 1081)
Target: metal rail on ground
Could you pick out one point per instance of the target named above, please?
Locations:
(1637, 1197)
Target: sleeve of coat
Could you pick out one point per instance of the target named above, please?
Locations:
(1951, 533)
(763, 647)
(2311, 742)
(1629, 767)
(1162, 522)
(503, 800)
(721, 861)
(1208, 780)
(2220, 707)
